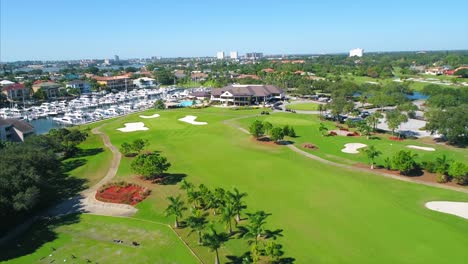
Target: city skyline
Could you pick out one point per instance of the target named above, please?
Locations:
(87, 30)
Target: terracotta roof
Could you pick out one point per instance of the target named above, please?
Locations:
(15, 86)
(110, 78)
(244, 76)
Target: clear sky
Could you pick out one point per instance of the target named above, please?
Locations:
(74, 29)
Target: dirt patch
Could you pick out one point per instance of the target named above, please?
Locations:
(265, 141)
(122, 193)
(309, 146)
(425, 176)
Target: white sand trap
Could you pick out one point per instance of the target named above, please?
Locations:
(455, 208)
(131, 127)
(352, 148)
(191, 120)
(421, 148)
(151, 116)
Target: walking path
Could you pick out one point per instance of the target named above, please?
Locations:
(322, 160)
(84, 202)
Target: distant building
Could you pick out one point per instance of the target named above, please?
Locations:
(5, 82)
(50, 88)
(115, 82)
(116, 58)
(84, 86)
(15, 130)
(144, 83)
(356, 53)
(15, 91)
(220, 55)
(253, 55)
(198, 76)
(179, 74)
(246, 94)
(234, 55)
(434, 71)
(106, 62)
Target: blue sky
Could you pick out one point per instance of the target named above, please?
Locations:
(73, 29)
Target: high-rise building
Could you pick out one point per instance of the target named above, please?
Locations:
(116, 57)
(106, 61)
(253, 55)
(234, 55)
(220, 55)
(356, 53)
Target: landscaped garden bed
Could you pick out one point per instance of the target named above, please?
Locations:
(122, 192)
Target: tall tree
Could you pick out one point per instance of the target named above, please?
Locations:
(176, 207)
(227, 215)
(214, 240)
(372, 153)
(257, 129)
(236, 199)
(197, 222)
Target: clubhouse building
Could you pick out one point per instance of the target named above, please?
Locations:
(243, 95)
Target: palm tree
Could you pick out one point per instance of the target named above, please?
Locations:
(255, 228)
(205, 195)
(186, 186)
(214, 240)
(235, 198)
(194, 198)
(197, 222)
(372, 153)
(175, 207)
(323, 129)
(227, 214)
(274, 251)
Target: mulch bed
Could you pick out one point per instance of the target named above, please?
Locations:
(122, 193)
(396, 138)
(309, 146)
(425, 177)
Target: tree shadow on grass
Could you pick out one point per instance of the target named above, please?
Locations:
(239, 259)
(285, 142)
(81, 153)
(170, 178)
(70, 165)
(38, 234)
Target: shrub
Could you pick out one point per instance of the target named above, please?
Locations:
(292, 133)
(150, 165)
(442, 178)
(429, 166)
(388, 163)
(404, 162)
(459, 172)
(277, 134)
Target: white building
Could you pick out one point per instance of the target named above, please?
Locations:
(144, 82)
(356, 52)
(234, 55)
(220, 55)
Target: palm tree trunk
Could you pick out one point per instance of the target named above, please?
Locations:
(372, 166)
(176, 223)
(238, 217)
(230, 227)
(216, 257)
(199, 238)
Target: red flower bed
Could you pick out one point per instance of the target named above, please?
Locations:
(332, 133)
(396, 138)
(122, 193)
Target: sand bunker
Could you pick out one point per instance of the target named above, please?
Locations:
(151, 116)
(455, 208)
(131, 127)
(191, 120)
(421, 148)
(352, 148)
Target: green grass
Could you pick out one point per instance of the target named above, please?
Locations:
(92, 161)
(306, 127)
(91, 237)
(328, 214)
(303, 106)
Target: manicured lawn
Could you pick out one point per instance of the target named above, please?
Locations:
(77, 239)
(306, 127)
(91, 162)
(303, 106)
(328, 214)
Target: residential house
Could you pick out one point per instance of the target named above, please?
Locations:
(179, 74)
(15, 91)
(202, 95)
(198, 76)
(15, 130)
(50, 88)
(434, 71)
(5, 82)
(246, 94)
(84, 86)
(115, 82)
(144, 83)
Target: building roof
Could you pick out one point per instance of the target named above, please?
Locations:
(46, 84)
(14, 86)
(248, 90)
(200, 94)
(21, 125)
(76, 82)
(245, 76)
(110, 78)
(5, 82)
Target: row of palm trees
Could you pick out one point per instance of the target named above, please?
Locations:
(208, 206)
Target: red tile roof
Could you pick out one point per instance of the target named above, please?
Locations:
(15, 86)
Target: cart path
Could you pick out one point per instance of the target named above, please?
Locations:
(344, 166)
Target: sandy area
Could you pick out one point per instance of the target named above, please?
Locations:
(352, 148)
(420, 148)
(151, 116)
(131, 127)
(191, 120)
(454, 208)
